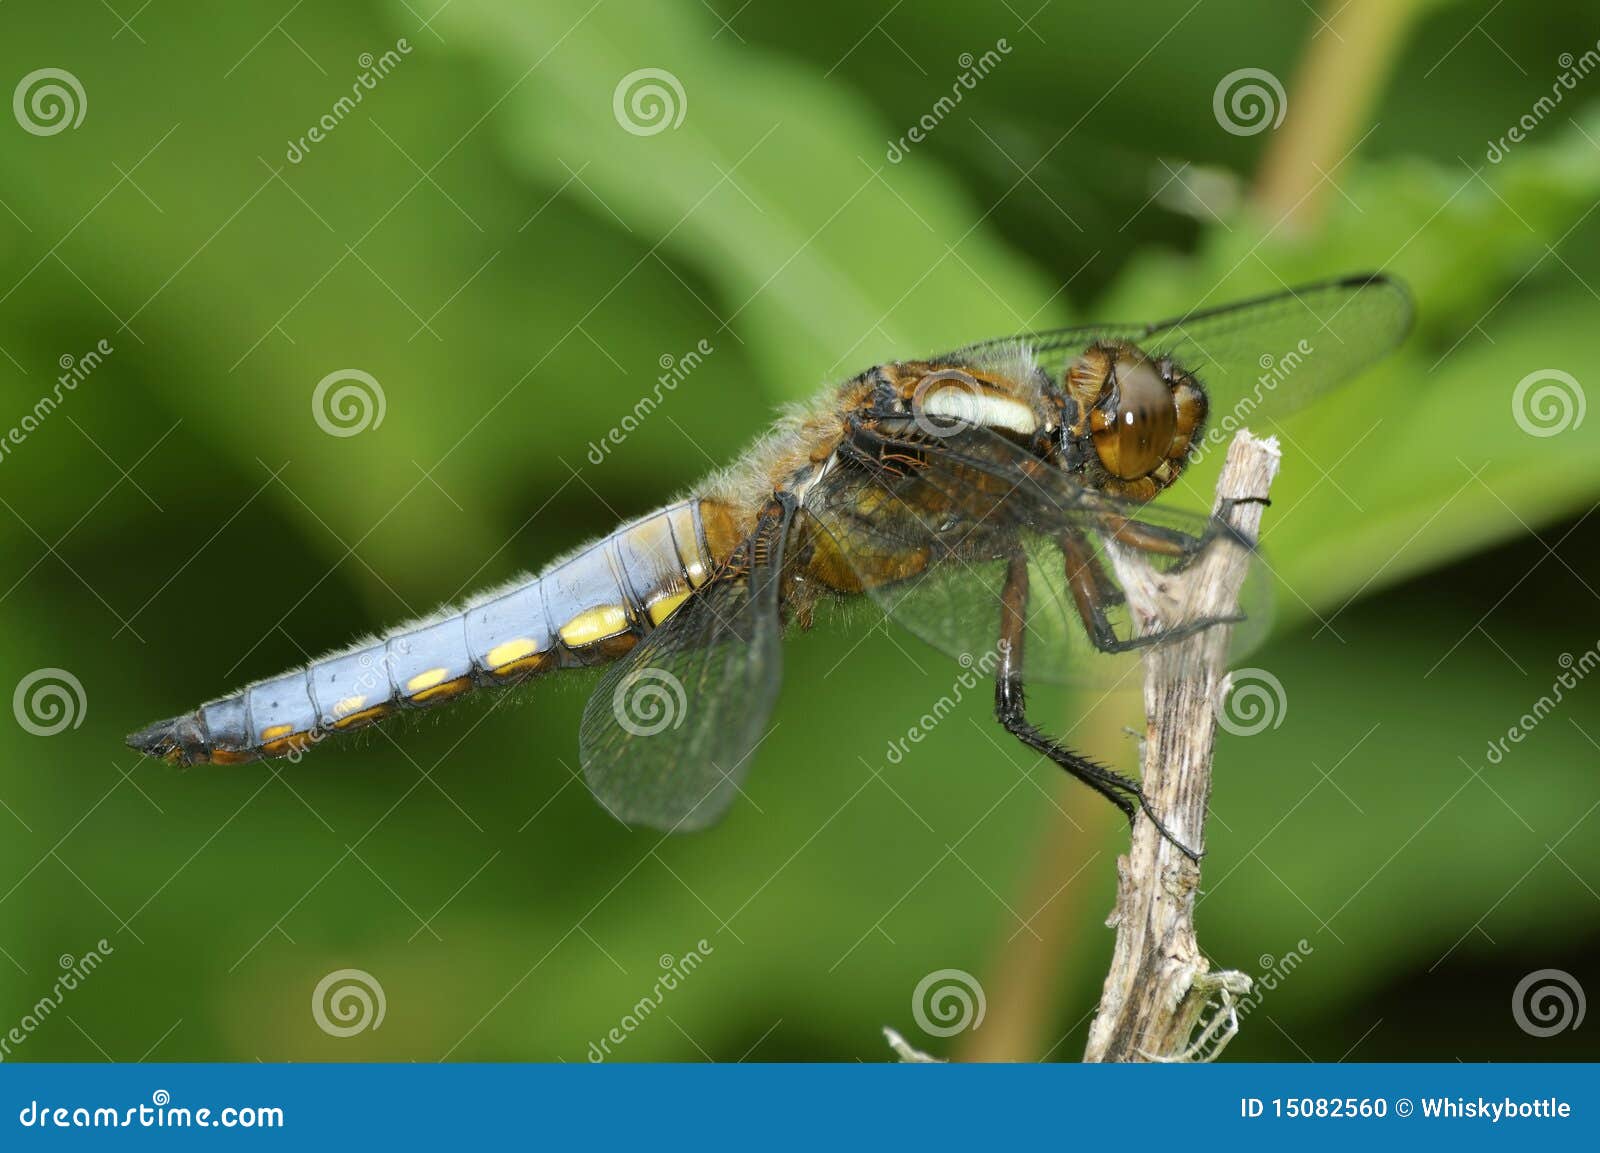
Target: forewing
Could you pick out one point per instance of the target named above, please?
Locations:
(929, 537)
(671, 728)
(1272, 354)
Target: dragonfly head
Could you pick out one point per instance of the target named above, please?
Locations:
(1129, 418)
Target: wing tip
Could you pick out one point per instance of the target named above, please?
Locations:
(1379, 279)
(1363, 279)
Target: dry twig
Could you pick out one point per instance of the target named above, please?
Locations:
(1160, 983)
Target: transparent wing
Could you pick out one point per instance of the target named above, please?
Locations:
(927, 526)
(1272, 354)
(670, 730)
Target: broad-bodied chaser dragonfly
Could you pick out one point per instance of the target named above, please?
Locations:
(971, 495)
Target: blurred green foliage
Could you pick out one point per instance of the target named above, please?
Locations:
(484, 238)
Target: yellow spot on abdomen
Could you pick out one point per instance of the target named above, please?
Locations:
(663, 608)
(509, 651)
(448, 689)
(361, 718)
(593, 625)
(289, 744)
(275, 731)
(536, 662)
(347, 706)
(425, 680)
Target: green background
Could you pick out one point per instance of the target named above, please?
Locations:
(483, 237)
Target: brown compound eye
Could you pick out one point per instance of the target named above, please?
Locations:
(1134, 437)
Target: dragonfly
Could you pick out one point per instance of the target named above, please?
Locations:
(973, 496)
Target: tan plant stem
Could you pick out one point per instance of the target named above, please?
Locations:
(1159, 983)
(1346, 63)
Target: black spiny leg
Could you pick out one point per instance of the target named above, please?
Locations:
(1010, 707)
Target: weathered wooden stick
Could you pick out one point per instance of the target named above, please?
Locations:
(1160, 983)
